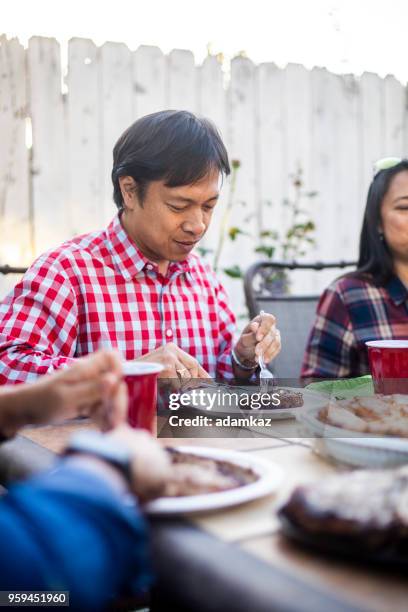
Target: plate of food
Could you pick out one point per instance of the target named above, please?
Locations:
(277, 403)
(361, 515)
(365, 431)
(207, 479)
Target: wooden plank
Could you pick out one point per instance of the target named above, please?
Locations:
(297, 103)
(243, 146)
(394, 114)
(213, 105)
(182, 80)
(15, 244)
(84, 137)
(336, 168)
(49, 182)
(272, 168)
(149, 81)
(372, 129)
(346, 157)
(115, 95)
(323, 173)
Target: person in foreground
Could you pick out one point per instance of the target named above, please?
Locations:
(371, 302)
(71, 529)
(136, 286)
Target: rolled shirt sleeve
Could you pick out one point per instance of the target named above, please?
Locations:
(38, 324)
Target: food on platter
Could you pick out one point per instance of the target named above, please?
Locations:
(195, 475)
(366, 507)
(376, 414)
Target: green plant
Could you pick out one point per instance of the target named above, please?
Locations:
(285, 245)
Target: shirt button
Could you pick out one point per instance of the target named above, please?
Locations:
(149, 267)
(169, 333)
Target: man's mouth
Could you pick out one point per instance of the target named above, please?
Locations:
(186, 245)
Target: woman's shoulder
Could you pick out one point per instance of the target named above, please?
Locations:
(353, 284)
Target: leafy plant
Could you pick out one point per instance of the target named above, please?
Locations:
(286, 245)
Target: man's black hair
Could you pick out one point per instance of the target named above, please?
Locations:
(175, 146)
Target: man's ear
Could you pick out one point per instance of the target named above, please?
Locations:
(128, 190)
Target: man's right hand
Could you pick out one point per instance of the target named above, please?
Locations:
(177, 363)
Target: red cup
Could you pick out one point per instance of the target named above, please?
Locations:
(389, 365)
(141, 380)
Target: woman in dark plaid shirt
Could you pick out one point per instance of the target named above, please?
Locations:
(372, 302)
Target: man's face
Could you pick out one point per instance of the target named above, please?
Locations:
(172, 220)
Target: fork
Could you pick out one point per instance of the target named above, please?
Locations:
(265, 375)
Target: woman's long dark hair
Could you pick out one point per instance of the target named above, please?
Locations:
(375, 259)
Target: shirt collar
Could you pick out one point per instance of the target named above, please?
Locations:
(129, 260)
(397, 290)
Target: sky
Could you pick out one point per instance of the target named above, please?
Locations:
(345, 36)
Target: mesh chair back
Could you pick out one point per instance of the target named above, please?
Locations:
(295, 318)
(295, 314)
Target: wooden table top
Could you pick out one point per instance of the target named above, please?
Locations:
(254, 526)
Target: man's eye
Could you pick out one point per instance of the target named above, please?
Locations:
(209, 208)
(175, 208)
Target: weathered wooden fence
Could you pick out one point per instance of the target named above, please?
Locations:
(273, 120)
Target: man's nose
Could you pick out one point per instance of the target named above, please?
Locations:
(195, 225)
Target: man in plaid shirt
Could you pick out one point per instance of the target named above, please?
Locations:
(136, 286)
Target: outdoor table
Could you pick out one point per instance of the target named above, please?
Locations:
(236, 559)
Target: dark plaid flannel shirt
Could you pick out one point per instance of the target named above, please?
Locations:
(350, 312)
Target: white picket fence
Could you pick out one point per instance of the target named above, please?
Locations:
(272, 120)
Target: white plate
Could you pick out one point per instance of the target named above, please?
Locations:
(353, 447)
(311, 399)
(270, 476)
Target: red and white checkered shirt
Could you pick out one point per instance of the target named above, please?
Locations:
(98, 290)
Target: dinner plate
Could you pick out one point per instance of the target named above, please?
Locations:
(353, 447)
(269, 478)
(311, 399)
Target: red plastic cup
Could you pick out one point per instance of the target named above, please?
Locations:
(141, 380)
(389, 365)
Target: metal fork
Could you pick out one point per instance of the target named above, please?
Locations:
(265, 375)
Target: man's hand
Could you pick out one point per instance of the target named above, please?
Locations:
(92, 386)
(260, 337)
(151, 466)
(177, 364)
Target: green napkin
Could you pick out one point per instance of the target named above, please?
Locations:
(344, 388)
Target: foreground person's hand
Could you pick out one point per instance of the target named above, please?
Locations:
(151, 466)
(92, 386)
(177, 363)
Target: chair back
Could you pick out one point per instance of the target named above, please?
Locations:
(265, 289)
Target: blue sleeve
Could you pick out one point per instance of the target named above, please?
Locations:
(68, 530)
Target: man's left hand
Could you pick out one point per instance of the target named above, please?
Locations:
(259, 337)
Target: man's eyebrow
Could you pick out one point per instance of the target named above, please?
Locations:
(184, 200)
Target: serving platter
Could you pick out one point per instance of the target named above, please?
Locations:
(269, 478)
(353, 447)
